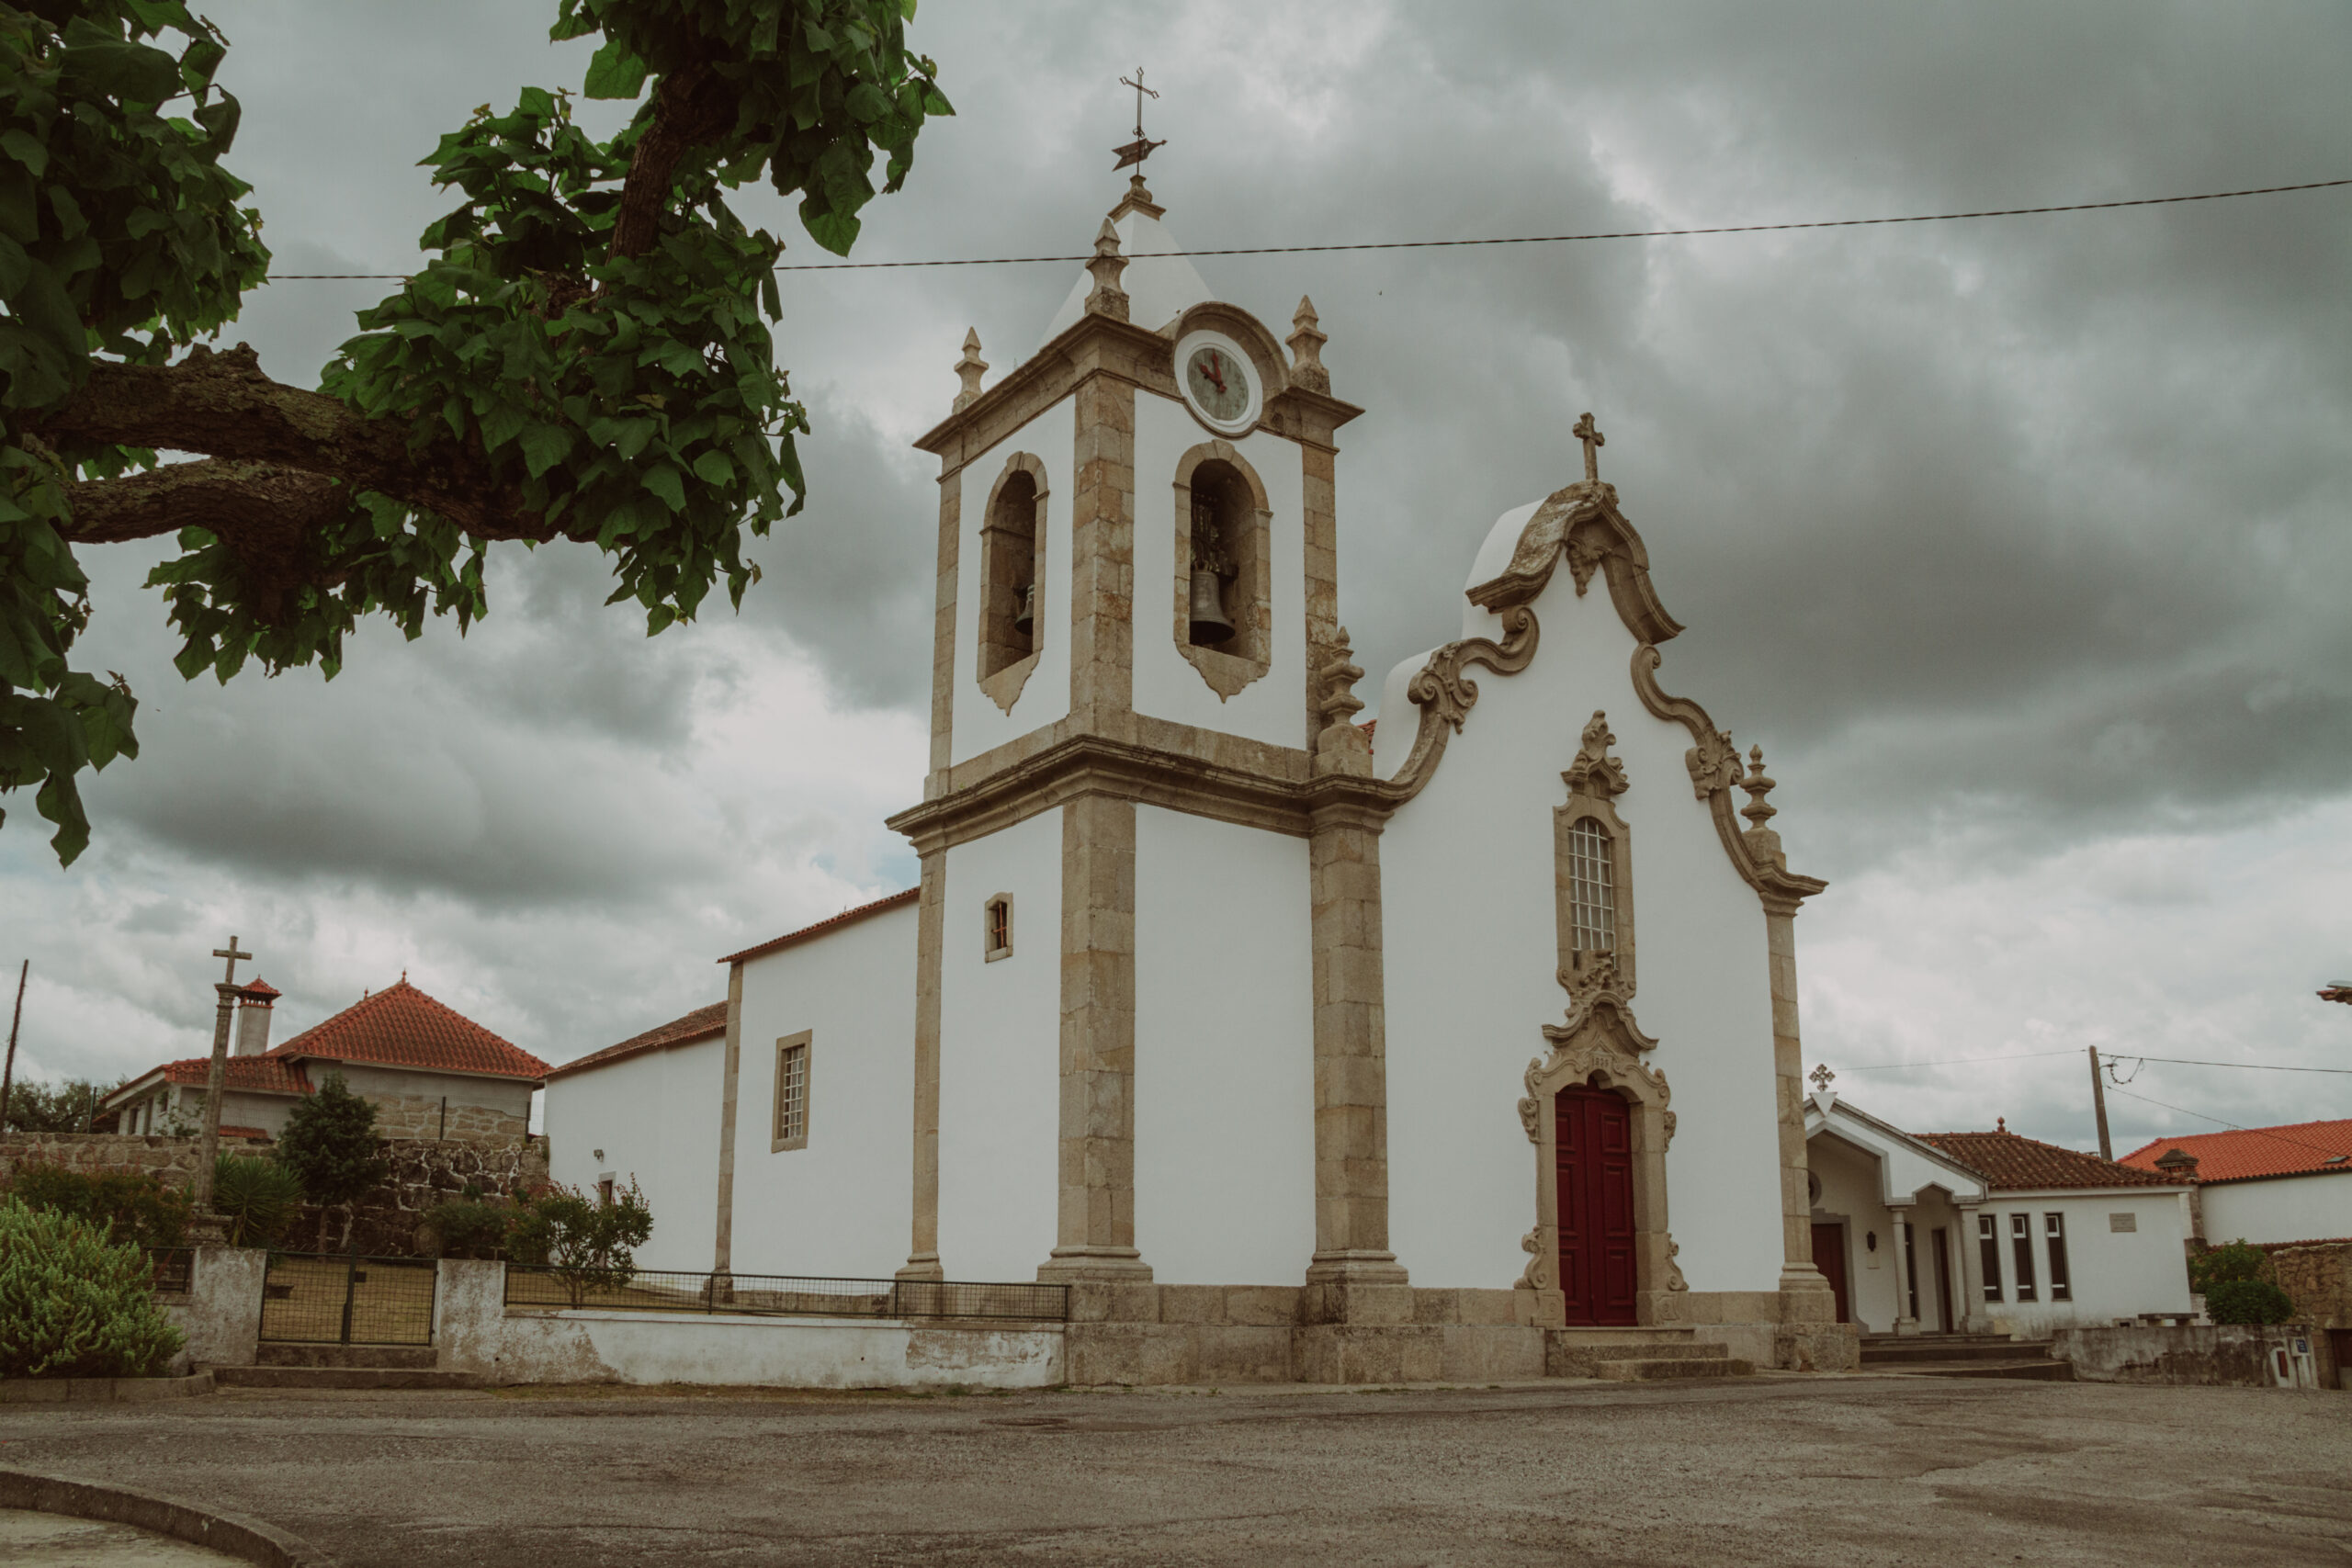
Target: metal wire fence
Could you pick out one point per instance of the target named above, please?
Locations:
(782, 1295)
(322, 1298)
(174, 1268)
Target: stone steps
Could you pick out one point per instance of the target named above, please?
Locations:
(342, 1377)
(1657, 1369)
(1637, 1355)
(1887, 1349)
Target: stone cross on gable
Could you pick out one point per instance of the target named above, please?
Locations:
(1821, 1076)
(1593, 441)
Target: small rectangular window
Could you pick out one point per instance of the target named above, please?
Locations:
(998, 933)
(2021, 1246)
(1988, 1248)
(2054, 1233)
(2123, 1222)
(604, 1192)
(791, 1093)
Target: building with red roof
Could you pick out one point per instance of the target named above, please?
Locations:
(430, 1071)
(2262, 1184)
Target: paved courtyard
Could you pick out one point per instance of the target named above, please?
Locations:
(1773, 1469)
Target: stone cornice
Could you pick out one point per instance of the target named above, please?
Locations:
(1581, 522)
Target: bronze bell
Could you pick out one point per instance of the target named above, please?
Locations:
(1026, 616)
(1209, 625)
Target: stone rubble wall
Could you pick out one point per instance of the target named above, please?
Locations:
(421, 1118)
(2318, 1275)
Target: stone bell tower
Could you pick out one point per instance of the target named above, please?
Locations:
(1137, 598)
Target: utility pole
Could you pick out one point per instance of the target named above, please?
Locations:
(8, 1073)
(2098, 1104)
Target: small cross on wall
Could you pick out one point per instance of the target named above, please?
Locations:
(1593, 441)
(1821, 1076)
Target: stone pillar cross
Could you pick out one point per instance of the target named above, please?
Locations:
(1593, 441)
(207, 1148)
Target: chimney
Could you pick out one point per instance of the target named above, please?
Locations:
(253, 1003)
(2181, 1166)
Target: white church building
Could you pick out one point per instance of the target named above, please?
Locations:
(1467, 1047)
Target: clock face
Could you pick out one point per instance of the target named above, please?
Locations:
(1218, 381)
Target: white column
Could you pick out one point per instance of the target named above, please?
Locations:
(1905, 1320)
(1971, 1310)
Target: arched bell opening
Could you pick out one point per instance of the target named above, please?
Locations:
(1224, 620)
(1012, 587)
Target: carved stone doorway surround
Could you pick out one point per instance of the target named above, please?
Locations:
(1600, 1046)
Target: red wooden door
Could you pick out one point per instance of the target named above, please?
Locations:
(1829, 1257)
(1594, 1163)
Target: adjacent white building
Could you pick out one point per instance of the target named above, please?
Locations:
(1987, 1233)
(1487, 1018)
(2263, 1184)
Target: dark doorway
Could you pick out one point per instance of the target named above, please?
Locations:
(1944, 1324)
(1594, 1163)
(1829, 1257)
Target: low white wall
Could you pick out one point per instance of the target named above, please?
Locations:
(2114, 1274)
(2286, 1207)
(220, 1314)
(476, 1334)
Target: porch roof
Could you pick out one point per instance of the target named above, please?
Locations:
(1907, 1165)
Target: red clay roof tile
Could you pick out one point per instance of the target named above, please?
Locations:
(703, 1023)
(2252, 1153)
(2020, 1164)
(402, 1027)
(260, 1075)
(847, 916)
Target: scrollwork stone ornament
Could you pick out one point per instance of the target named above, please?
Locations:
(1714, 763)
(1588, 547)
(1674, 1280)
(1595, 772)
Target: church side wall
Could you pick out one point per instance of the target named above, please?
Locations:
(1472, 950)
(655, 1116)
(842, 1204)
(1225, 1053)
(999, 1056)
(2291, 1208)
(980, 725)
(1165, 686)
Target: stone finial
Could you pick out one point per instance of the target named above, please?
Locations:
(971, 367)
(1762, 843)
(1108, 298)
(1306, 340)
(1595, 772)
(1138, 199)
(1821, 1076)
(1341, 747)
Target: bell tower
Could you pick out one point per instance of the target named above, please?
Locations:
(1136, 599)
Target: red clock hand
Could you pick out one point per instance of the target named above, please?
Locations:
(1216, 370)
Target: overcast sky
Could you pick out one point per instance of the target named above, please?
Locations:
(2021, 545)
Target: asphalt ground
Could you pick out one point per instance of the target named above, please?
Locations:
(1855, 1470)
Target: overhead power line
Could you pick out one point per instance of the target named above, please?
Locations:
(2202, 1116)
(2256, 1067)
(1962, 1061)
(1443, 244)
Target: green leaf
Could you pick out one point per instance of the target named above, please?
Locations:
(837, 231)
(712, 467)
(545, 445)
(614, 73)
(25, 151)
(663, 481)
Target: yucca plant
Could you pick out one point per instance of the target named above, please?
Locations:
(257, 1199)
(74, 1303)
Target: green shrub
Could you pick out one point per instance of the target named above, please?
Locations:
(330, 1144)
(134, 1207)
(589, 1244)
(257, 1198)
(75, 1302)
(469, 1228)
(2248, 1300)
(2220, 1265)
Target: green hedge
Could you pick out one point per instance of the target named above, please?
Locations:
(74, 1302)
(2248, 1300)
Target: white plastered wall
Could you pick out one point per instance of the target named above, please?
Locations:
(1225, 1053)
(2286, 1207)
(655, 1115)
(1000, 1056)
(1165, 686)
(843, 1204)
(980, 725)
(1472, 952)
(2111, 1274)
(1854, 1181)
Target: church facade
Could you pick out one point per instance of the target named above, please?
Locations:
(1464, 1044)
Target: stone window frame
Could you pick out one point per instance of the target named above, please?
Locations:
(1577, 968)
(1252, 609)
(994, 615)
(804, 1043)
(1600, 1047)
(991, 949)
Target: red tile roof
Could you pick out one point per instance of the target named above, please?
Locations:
(258, 1075)
(402, 1027)
(703, 1023)
(847, 916)
(260, 990)
(2018, 1163)
(2253, 1153)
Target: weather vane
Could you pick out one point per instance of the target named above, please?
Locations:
(1135, 151)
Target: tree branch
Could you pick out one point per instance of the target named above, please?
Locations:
(693, 106)
(268, 516)
(222, 405)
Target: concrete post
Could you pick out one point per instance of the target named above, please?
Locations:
(1906, 1318)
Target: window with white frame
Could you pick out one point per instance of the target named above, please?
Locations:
(1592, 886)
(791, 1093)
(2054, 1231)
(1988, 1253)
(2021, 1247)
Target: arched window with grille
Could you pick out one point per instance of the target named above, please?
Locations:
(1592, 851)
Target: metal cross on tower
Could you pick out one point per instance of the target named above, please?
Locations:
(1593, 441)
(1135, 151)
(1821, 1074)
